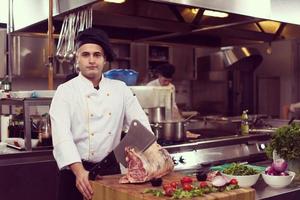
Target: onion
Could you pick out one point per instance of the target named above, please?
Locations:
(284, 174)
(280, 165)
(270, 171)
(219, 181)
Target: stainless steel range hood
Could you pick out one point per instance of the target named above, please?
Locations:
(277, 10)
(38, 11)
(241, 58)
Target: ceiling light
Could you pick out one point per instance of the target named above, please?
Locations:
(195, 10)
(215, 14)
(269, 26)
(211, 13)
(115, 1)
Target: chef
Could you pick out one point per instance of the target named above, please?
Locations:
(88, 114)
(165, 73)
(292, 109)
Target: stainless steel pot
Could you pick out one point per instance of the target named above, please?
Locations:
(156, 114)
(173, 130)
(170, 131)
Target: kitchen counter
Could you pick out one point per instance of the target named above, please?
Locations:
(11, 156)
(110, 188)
(263, 191)
(27, 174)
(38, 167)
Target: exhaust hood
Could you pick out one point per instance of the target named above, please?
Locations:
(277, 10)
(171, 21)
(241, 58)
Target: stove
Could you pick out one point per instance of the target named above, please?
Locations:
(190, 156)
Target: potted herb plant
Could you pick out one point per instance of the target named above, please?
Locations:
(285, 143)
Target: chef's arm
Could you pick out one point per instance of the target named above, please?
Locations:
(285, 111)
(82, 180)
(64, 149)
(291, 108)
(176, 113)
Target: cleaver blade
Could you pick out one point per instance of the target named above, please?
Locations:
(137, 136)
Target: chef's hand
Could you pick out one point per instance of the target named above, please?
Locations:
(82, 180)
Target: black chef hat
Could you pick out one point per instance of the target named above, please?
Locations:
(166, 70)
(96, 36)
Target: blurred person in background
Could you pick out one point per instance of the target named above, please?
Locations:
(165, 74)
(291, 110)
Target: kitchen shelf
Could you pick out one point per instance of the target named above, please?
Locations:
(26, 103)
(123, 58)
(157, 55)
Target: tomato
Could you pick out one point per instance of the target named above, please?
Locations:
(186, 179)
(203, 184)
(169, 191)
(233, 181)
(187, 187)
(166, 185)
(174, 184)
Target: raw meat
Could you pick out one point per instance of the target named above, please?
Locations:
(155, 162)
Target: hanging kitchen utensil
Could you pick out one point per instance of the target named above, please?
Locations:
(138, 137)
(70, 56)
(61, 41)
(72, 24)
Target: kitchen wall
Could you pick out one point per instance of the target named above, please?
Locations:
(33, 83)
(276, 77)
(276, 82)
(209, 92)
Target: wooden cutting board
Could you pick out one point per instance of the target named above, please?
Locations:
(110, 189)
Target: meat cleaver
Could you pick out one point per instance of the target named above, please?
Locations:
(137, 136)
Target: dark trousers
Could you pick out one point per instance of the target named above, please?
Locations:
(67, 189)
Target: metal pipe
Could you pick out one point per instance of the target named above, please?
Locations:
(50, 46)
(195, 31)
(10, 28)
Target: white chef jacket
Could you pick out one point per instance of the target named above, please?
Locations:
(294, 106)
(175, 113)
(87, 123)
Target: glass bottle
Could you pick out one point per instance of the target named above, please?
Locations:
(244, 123)
(6, 84)
(45, 131)
(11, 128)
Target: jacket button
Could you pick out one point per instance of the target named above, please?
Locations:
(107, 94)
(109, 114)
(92, 134)
(92, 115)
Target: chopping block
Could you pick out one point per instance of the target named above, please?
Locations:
(109, 188)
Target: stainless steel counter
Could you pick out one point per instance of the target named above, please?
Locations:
(37, 166)
(10, 156)
(263, 191)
